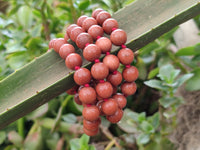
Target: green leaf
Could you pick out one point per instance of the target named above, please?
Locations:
(143, 138)
(84, 4)
(183, 79)
(189, 51)
(2, 137)
(84, 140)
(193, 84)
(157, 84)
(147, 127)
(47, 76)
(141, 117)
(167, 101)
(15, 138)
(74, 144)
(154, 120)
(70, 118)
(153, 73)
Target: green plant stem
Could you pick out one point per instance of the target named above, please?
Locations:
(111, 143)
(73, 11)
(20, 126)
(162, 118)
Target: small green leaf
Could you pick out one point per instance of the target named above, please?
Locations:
(154, 120)
(193, 83)
(15, 138)
(143, 138)
(187, 51)
(153, 73)
(2, 137)
(183, 79)
(141, 117)
(91, 147)
(84, 140)
(156, 84)
(167, 101)
(84, 5)
(74, 144)
(69, 118)
(147, 127)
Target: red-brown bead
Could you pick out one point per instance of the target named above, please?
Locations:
(112, 62)
(104, 90)
(116, 117)
(58, 43)
(87, 95)
(91, 125)
(118, 37)
(102, 16)
(65, 50)
(82, 76)
(121, 100)
(109, 107)
(88, 22)
(77, 100)
(90, 132)
(130, 74)
(96, 12)
(95, 31)
(91, 52)
(128, 88)
(109, 24)
(73, 60)
(91, 113)
(75, 32)
(99, 71)
(82, 39)
(69, 28)
(105, 44)
(81, 19)
(125, 56)
(115, 78)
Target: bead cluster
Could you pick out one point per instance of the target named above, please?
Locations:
(97, 88)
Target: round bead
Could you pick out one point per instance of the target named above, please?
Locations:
(96, 12)
(82, 76)
(99, 105)
(95, 31)
(69, 28)
(115, 78)
(91, 125)
(112, 62)
(73, 60)
(91, 113)
(104, 90)
(75, 32)
(109, 24)
(51, 43)
(125, 56)
(88, 22)
(115, 88)
(77, 100)
(65, 50)
(105, 44)
(73, 90)
(58, 43)
(87, 95)
(102, 16)
(90, 132)
(91, 52)
(109, 107)
(128, 88)
(66, 37)
(121, 100)
(81, 19)
(130, 74)
(118, 37)
(82, 39)
(116, 117)
(99, 71)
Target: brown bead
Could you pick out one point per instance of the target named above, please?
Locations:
(96, 12)
(81, 19)
(77, 100)
(128, 88)
(82, 76)
(66, 37)
(104, 90)
(99, 71)
(109, 107)
(75, 32)
(125, 56)
(91, 125)
(87, 95)
(109, 24)
(69, 29)
(91, 133)
(88, 22)
(91, 113)
(118, 37)
(73, 90)
(105, 44)
(95, 31)
(51, 43)
(115, 78)
(58, 43)
(73, 60)
(83, 39)
(102, 16)
(91, 52)
(121, 100)
(99, 105)
(65, 50)
(130, 74)
(116, 117)
(112, 62)
(115, 88)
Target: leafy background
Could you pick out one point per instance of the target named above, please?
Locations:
(149, 119)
